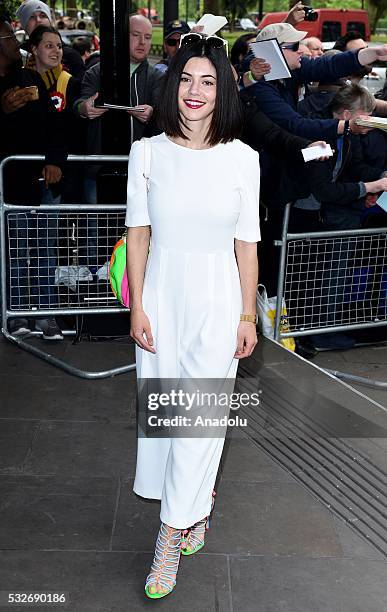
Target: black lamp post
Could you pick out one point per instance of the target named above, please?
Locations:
(260, 9)
(171, 11)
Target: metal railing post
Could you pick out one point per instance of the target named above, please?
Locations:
(281, 272)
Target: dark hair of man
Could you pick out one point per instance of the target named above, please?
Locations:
(341, 43)
(240, 47)
(352, 97)
(82, 45)
(226, 121)
(37, 34)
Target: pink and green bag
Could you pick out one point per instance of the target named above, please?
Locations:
(117, 272)
(117, 269)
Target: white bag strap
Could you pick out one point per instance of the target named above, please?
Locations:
(147, 160)
(261, 292)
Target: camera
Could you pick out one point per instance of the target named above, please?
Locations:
(310, 14)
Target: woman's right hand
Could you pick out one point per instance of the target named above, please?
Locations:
(376, 186)
(140, 327)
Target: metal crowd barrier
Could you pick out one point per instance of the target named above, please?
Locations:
(332, 282)
(46, 255)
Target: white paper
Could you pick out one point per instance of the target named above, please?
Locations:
(382, 201)
(211, 23)
(270, 51)
(317, 151)
(380, 120)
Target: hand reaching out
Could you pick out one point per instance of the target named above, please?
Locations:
(259, 67)
(51, 174)
(296, 14)
(319, 143)
(87, 108)
(143, 116)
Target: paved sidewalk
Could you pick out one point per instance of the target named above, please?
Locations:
(69, 521)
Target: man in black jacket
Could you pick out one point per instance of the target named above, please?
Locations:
(144, 85)
(144, 81)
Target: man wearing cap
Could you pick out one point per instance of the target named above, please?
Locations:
(32, 13)
(278, 99)
(173, 32)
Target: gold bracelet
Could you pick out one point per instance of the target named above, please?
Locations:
(251, 318)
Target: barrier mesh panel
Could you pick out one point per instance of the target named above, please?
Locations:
(61, 259)
(336, 281)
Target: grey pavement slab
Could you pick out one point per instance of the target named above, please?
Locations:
(56, 512)
(270, 518)
(243, 461)
(90, 356)
(98, 355)
(67, 398)
(291, 584)
(83, 449)
(367, 355)
(15, 442)
(137, 521)
(114, 582)
(18, 361)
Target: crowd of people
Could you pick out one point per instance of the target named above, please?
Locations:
(49, 105)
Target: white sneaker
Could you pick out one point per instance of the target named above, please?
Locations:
(50, 329)
(19, 327)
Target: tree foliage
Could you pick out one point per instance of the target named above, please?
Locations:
(379, 9)
(9, 7)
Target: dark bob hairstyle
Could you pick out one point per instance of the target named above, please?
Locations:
(36, 35)
(226, 122)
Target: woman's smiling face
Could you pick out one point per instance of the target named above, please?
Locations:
(197, 90)
(49, 50)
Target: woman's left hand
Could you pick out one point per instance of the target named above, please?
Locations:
(247, 339)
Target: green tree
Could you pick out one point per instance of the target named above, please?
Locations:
(212, 6)
(379, 9)
(235, 9)
(72, 8)
(10, 7)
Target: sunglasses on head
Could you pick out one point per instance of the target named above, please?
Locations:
(172, 42)
(213, 42)
(291, 46)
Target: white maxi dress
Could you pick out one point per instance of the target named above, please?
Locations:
(199, 201)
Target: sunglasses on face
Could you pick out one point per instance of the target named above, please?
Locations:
(172, 42)
(12, 36)
(213, 42)
(292, 46)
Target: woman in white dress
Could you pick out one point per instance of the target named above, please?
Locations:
(193, 309)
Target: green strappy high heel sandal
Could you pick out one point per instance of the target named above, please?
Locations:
(193, 538)
(165, 562)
